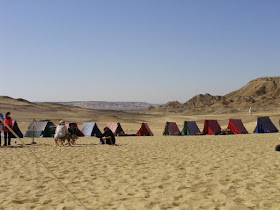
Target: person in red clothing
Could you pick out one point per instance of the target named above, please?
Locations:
(7, 134)
(1, 127)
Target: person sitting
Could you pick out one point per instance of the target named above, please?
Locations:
(61, 134)
(7, 133)
(108, 137)
(73, 134)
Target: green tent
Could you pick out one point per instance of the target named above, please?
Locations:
(40, 129)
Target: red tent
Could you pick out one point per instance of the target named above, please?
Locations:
(76, 125)
(211, 127)
(171, 128)
(144, 130)
(236, 126)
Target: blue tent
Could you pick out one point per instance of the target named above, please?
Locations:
(91, 129)
(190, 128)
(264, 125)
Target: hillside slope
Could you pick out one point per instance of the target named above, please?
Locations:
(23, 110)
(261, 93)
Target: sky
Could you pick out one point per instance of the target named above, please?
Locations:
(135, 50)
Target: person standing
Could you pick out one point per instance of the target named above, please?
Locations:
(7, 133)
(250, 111)
(1, 128)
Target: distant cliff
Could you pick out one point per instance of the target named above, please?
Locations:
(103, 105)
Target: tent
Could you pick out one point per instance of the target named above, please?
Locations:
(80, 133)
(144, 130)
(190, 128)
(171, 128)
(43, 128)
(116, 128)
(2, 117)
(16, 130)
(236, 126)
(211, 127)
(91, 129)
(264, 125)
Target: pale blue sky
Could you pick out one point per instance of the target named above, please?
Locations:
(128, 50)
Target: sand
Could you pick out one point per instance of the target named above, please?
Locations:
(200, 172)
(160, 172)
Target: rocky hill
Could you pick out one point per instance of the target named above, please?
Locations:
(261, 93)
(205, 100)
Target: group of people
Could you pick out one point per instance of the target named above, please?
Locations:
(62, 133)
(3, 128)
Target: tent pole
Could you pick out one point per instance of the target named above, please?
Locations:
(33, 137)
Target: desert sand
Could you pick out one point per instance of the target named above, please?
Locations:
(160, 172)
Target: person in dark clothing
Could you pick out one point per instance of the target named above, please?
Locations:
(1, 129)
(73, 134)
(7, 133)
(108, 137)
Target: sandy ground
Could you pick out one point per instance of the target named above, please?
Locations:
(160, 172)
(200, 172)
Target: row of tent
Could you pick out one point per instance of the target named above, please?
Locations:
(212, 127)
(47, 129)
